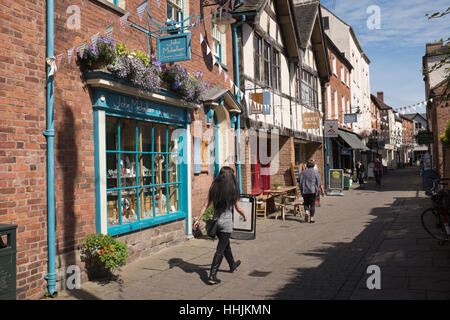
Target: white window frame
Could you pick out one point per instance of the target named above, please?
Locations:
(216, 37)
(177, 8)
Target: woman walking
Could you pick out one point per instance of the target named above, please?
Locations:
(310, 183)
(378, 171)
(223, 195)
(360, 170)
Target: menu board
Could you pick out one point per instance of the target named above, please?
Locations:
(245, 230)
(336, 179)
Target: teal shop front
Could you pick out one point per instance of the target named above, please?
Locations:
(141, 158)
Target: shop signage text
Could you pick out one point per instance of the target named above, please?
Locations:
(174, 48)
(330, 128)
(311, 120)
(350, 118)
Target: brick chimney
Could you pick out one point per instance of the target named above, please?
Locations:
(380, 96)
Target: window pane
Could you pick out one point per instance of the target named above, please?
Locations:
(160, 168)
(128, 170)
(111, 133)
(127, 135)
(129, 206)
(160, 138)
(113, 205)
(173, 168)
(146, 202)
(145, 136)
(145, 170)
(111, 170)
(160, 201)
(174, 199)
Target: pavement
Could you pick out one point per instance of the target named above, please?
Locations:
(292, 260)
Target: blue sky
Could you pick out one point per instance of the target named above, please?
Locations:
(396, 49)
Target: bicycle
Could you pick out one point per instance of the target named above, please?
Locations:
(435, 220)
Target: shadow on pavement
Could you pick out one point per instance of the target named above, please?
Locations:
(201, 270)
(412, 265)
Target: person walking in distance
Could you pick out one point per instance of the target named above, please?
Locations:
(378, 171)
(309, 184)
(360, 170)
(223, 196)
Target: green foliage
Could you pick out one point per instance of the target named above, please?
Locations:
(208, 214)
(122, 49)
(110, 252)
(445, 137)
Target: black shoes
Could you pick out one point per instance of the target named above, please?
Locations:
(217, 260)
(234, 266)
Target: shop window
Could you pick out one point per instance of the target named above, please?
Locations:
(143, 178)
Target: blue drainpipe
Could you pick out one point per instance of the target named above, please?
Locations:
(50, 134)
(238, 124)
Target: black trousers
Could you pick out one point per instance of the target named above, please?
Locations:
(378, 177)
(224, 243)
(309, 203)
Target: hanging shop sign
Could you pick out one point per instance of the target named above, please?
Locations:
(330, 128)
(425, 137)
(174, 48)
(346, 152)
(350, 118)
(260, 103)
(311, 120)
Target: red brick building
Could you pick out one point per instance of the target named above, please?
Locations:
(338, 93)
(82, 205)
(408, 138)
(438, 108)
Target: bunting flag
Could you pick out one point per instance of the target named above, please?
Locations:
(123, 20)
(214, 60)
(201, 38)
(59, 59)
(220, 68)
(227, 6)
(140, 9)
(109, 30)
(82, 47)
(94, 39)
(70, 53)
(52, 64)
(208, 50)
(225, 76)
(159, 3)
(231, 84)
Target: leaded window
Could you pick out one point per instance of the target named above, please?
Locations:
(309, 90)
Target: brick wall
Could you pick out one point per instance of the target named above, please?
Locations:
(23, 120)
(440, 114)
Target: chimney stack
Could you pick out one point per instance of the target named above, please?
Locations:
(380, 96)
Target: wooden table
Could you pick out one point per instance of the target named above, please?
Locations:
(279, 193)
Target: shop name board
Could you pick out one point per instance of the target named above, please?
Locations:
(174, 48)
(425, 137)
(125, 103)
(311, 120)
(330, 129)
(350, 118)
(260, 103)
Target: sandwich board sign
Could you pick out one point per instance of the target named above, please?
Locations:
(245, 230)
(336, 182)
(330, 128)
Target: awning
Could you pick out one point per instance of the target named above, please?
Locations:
(215, 94)
(352, 140)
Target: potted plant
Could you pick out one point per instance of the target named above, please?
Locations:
(207, 217)
(102, 255)
(98, 56)
(278, 186)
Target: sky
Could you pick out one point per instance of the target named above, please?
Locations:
(396, 45)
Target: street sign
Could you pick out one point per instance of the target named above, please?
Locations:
(350, 118)
(174, 48)
(425, 137)
(330, 128)
(311, 120)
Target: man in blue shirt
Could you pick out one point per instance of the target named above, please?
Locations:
(309, 183)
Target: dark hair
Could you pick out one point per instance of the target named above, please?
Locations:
(224, 191)
(310, 164)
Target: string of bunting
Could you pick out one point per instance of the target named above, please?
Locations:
(405, 109)
(55, 61)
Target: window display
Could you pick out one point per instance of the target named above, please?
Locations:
(147, 182)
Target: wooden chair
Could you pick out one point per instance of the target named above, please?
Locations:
(261, 206)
